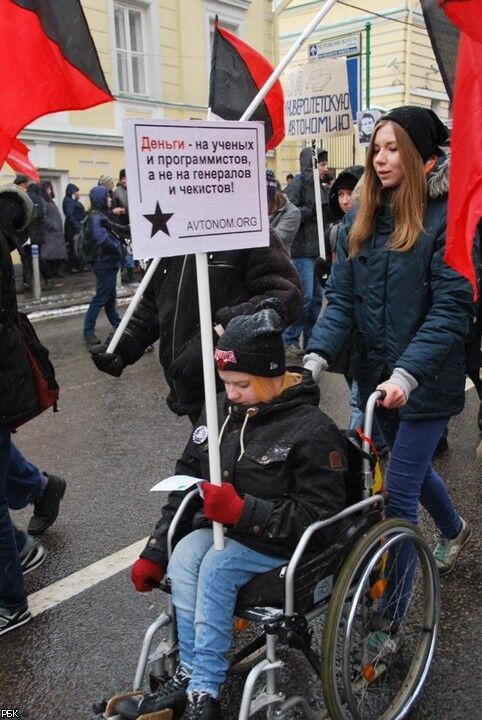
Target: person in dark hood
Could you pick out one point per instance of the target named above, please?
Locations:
(53, 250)
(74, 213)
(412, 312)
(276, 483)
(284, 217)
(306, 247)
(108, 255)
(18, 401)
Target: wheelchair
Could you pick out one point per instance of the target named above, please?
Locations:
(333, 606)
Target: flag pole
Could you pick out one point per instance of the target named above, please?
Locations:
(245, 116)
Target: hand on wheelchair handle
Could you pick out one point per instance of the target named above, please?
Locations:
(146, 574)
(315, 364)
(222, 504)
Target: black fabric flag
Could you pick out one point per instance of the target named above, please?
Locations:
(444, 37)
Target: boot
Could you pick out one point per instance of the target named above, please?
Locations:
(171, 695)
(46, 507)
(202, 706)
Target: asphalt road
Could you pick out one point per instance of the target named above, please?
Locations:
(112, 440)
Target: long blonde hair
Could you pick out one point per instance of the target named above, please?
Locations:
(409, 199)
(267, 388)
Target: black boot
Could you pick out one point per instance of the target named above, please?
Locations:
(46, 507)
(171, 695)
(202, 706)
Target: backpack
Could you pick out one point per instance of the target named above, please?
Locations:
(42, 369)
(84, 245)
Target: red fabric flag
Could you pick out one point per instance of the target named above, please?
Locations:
(19, 160)
(237, 74)
(465, 196)
(49, 63)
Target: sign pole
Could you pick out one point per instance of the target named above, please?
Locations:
(318, 205)
(209, 373)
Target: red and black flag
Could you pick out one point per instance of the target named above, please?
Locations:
(237, 74)
(49, 63)
(465, 196)
(19, 160)
(444, 37)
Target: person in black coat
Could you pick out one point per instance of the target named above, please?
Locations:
(169, 312)
(276, 483)
(74, 212)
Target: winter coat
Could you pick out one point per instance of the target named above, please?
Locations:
(286, 222)
(286, 459)
(37, 228)
(108, 247)
(301, 192)
(53, 247)
(18, 390)
(74, 211)
(169, 312)
(411, 310)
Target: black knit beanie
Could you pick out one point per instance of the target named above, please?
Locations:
(424, 127)
(253, 343)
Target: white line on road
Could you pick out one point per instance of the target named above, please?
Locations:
(84, 579)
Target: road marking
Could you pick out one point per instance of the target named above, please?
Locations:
(58, 592)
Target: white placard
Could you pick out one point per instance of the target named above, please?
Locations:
(174, 482)
(317, 100)
(195, 186)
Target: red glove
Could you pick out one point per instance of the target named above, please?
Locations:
(145, 574)
(222, 504)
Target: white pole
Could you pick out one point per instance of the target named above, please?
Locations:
(287, 59)
(204, 300)
(36, 271)
(318, 205)
(133, 304)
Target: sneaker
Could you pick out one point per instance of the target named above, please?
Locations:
(294, 350)
(447, 551)
(32, 555)
(91, 340)
(171, 695)
(382, 644)
(11, 620)
(202, 706)
(46, 507)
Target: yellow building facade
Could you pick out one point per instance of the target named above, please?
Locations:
(156, 56)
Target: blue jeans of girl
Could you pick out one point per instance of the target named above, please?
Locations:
(410, 480)
(205, 583)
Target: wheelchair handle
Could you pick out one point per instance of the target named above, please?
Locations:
(369, 412)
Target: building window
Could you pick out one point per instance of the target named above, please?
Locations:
(130, 43)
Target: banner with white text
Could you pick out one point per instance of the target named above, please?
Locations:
(195, 186)
(317, 99)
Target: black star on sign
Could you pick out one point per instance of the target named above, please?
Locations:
(159, 220)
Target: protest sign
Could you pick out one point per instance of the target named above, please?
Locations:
(366, 120)
(195, 186)
(317, 100)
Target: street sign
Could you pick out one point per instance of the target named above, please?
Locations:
(195, 186)
(349, 46)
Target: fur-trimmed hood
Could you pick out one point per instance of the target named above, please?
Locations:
(438, 180)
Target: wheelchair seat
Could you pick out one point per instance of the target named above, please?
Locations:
(314, 578)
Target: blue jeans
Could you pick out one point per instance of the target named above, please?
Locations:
(25, 482)
(105, 297)
(312, 301)
(12, 591)
(411, 479)
(205, 584)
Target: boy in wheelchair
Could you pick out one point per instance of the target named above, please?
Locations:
(283, 464)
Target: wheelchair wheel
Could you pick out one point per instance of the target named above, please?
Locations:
(376, 654)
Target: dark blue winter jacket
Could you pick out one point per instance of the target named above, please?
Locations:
(73, 209)
(410, 309)
(108, 248)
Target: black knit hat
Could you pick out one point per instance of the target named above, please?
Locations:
(424, 127)
(322, 155)
(254, 343)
